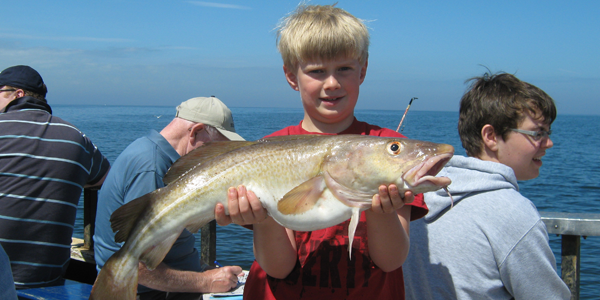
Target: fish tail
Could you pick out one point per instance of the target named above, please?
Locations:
(117, 280)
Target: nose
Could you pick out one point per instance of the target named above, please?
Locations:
(331, 83)
(547, 142)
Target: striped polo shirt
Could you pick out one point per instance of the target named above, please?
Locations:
(44, 164)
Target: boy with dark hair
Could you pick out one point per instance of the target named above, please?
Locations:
(489, 242)
(325, 55)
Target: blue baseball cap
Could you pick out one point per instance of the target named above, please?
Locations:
(23, 77)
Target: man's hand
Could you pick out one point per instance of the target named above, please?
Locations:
(244, 208)
(389, 200)
(222, 279)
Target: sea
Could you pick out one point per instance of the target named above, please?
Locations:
(569, 180)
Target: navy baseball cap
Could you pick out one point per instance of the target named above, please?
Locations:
(23, 77)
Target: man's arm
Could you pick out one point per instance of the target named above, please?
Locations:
(166, 279)
(99, 183)
(100, 166)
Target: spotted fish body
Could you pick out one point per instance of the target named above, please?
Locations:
(305, 182)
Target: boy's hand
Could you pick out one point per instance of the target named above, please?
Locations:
(389, 200)
(244, 208)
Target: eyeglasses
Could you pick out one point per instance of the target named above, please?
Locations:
(535, 135)
(7, 90)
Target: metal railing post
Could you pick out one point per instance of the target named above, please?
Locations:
(571, 226)
(90, 205)
(570, 265)
(208, 238)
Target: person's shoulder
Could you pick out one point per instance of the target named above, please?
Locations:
(374, 130)
(497, 206)
(284, 131)
(59, 120)
(67, 128)
(141, 148)
(290, 130)
(137, 158)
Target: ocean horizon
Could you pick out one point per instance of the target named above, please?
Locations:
(568, 180)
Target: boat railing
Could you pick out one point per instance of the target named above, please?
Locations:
(571, 226)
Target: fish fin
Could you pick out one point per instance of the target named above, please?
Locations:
(346, 195)
(303, 197)
(117, 279)
(125, 217)
(155, 255)
(200, 155)
(352, 228)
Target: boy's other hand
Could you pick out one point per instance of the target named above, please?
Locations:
(244, 208)
(389, 199)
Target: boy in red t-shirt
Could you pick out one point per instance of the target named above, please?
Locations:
(325, 51)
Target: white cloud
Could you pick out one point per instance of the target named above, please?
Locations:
(218, 5)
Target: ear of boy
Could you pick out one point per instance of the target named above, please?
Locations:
(290, 76)
(490, 143)
(363, 71)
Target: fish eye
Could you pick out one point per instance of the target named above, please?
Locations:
(394, 148)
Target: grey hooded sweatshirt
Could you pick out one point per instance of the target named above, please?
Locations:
(491, 245)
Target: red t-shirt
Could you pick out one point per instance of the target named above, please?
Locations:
(323, 269)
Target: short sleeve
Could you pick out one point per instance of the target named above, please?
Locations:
(100, 165)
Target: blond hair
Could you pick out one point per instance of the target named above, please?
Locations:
(325, 32)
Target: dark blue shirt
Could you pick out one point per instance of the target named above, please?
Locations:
(44, 164)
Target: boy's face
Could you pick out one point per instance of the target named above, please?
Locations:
(521, 152)
(329, 89)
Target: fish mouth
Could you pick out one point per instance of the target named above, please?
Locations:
(424, 173)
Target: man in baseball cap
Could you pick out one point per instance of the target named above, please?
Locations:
(44, 164)
(209, 111)
(139, 170)
(20, 81)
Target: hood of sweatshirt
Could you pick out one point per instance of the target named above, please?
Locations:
(469, 176)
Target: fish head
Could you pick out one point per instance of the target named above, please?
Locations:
(363, 166)
(422, 161)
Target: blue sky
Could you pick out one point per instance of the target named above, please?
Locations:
(164, 52)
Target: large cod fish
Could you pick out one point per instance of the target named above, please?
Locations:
(305, 182)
